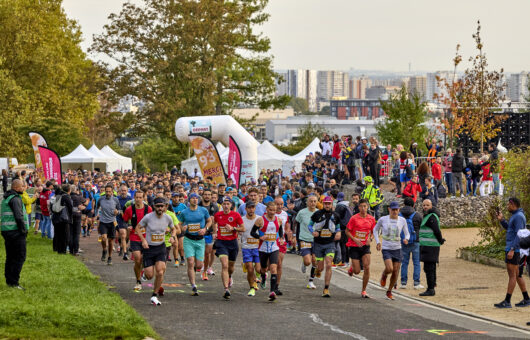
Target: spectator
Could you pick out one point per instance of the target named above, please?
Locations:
(62, 219)
(405, 170)
(423, 172)
(78, 205)
(372, 194)
(414, 150)
(413, 247)
(5, 178)
(486, 186)
(412, 188)
(448, 172)
(437, 170)
(494, 161)
(46, 223)
(430, 192)
(326, 147)
(458, 166)
(374, 161)
(430, 242)
(475, 170)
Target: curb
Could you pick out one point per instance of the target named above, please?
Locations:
(434, 304)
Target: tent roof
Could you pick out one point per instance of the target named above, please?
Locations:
(312, 147)
(97, 153)
(79, 155)
(107, 150)
(270, 151)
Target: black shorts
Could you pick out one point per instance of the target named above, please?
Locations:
(268, 258)
(154, 254)
(228, 248)
(122, 225)
(136, 246)
(514, 260)
(107, 228)
(357, 253)
(88, 213)
(522, 264)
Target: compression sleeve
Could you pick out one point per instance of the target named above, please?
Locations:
(254, 232)
(280, 231)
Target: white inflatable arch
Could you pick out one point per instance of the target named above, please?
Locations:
(219, 128)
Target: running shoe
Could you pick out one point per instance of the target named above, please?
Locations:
(109, 261)
(194, 291)
(334, 265)
(325, 293)
(161, 291)
(121, 252)
(182, 261)
(523, 303)
(318, 273)
(365, 295)
(230, 282)
(252, 292)
(278, 292)
(103, 255)
(125, 257)
(382, 282)
(272, 296)
(503, 304)
(263, 282)
(210, 271)
(303, 268)
(311, 285)
(143, 276)
(404, 286)
(389, 295)
(204, 276)
(138, 287)
(341, 264)
(419, 286)
(176, 263)
(256, 287)
(350, 271)
(155, 301)
(226, 295)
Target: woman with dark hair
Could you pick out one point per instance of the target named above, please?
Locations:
(423, 171)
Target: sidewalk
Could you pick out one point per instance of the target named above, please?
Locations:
(464, 285)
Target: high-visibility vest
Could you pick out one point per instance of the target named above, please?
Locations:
(7, 218)
(427, 237)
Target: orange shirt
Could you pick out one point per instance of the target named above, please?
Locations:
(361, 228)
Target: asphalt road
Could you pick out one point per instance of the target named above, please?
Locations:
(299, 313)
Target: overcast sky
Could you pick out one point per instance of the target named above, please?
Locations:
(372, 34)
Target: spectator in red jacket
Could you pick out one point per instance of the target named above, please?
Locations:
(437, 169)
(412, 188)
(336, 147)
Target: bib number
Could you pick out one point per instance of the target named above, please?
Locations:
(325, 233)
(252, 240)
(270, 237)
(194, 228)
(225, 231)
(305, 245)
(157, 237)
(360, 235)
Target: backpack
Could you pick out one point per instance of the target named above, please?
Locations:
(134, 218)
(347, 214)
(55, 203)
(408, 171)
(410, 226)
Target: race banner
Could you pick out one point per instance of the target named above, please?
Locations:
(36, 141)
(51, 164)
(208, 158)
(234, 162)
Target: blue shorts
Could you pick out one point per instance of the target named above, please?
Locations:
(194, 248)
(403, 178)
(38, 216)
(227, 248)
(250, 255)
(306, 248)
(208, 239)
(394, 255)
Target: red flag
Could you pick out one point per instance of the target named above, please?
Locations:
(234, 162)
(51, 164)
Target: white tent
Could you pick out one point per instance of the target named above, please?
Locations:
(81, 158)
(297, 160)
(125, 163)
(269, 157)
(113, 164)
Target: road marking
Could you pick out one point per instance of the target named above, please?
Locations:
(317, 319)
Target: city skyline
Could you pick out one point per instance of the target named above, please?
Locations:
(380, 35)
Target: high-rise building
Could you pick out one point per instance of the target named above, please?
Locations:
(332, 84)
(299, 84)
(517, 87)
(433, 87)
(282, 88)
(358, 87)
(311, 90)
(418, 84)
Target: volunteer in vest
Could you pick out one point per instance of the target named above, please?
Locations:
(107, 206)
(372, 194)
(390, 228)
(14, 226)
(284, 219)
(359, 231)
(325, 227)
(430, 241)
(194, 221)
(249, 248)
(227, 223)
(268, 230)
(413, 247)
(154, 247)
(303, 218)
(134, 214)
(209, 256)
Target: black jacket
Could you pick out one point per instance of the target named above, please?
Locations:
(458, 163)
(16, 207)
(406, 211)
(475, 170)
(430, 194)
(428, 253)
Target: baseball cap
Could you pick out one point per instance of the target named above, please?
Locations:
(311, 185)
(228, 189)
(194, 195)
(250, 204)
(227, 199)
(340, 196)
(394, 205)
(328, 199)
(159, 200)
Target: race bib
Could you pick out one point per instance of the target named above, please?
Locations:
(325, 233)
(360, 234)
(194, 228)
(305, 245)
(252, 240)
(225, 231)
(270, 237)
(157, 237)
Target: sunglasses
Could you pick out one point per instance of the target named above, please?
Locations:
(160, 205)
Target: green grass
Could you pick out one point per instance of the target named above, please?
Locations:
(496, 252)
(63, 300)
(465, 225)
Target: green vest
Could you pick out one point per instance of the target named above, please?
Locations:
(427, 237)
(372, 195)
(7, 218)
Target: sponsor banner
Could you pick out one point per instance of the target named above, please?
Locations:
(201, 128)
(36, 141)
(248, 169)
(234, 162)
(51, 164)
(208, 158)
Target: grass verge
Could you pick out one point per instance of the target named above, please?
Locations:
(63, 300)
(496, 252)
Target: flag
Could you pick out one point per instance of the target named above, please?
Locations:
(36, 141)
(234, 162)
(51, 164)
(208, 158)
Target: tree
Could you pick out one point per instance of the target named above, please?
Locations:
(46, 78)
(326, 111)
(299, 105)
(406, 115)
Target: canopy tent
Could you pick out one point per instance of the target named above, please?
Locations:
(269, 157)
(81, 158)
(125, 163)
(297, 160)
(112, 163)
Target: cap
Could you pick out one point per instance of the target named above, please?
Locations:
(228, 189)
(200, 188)
(175, 194)
(328, 199)
(221, 185)
(368, 179)
(159, 200)
(311, 185)
(414, 143)
(250, 204)
(340, 196)
(394, 205)
(227, 199)
(193, 195)
(363, 138)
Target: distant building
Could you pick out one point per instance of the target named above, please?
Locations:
(517, 87)
(262, 116)
(356, 109)
(358, 87)
(376, 92)
(432, 86)
(299, 84)
(418, 84)
(332, 84)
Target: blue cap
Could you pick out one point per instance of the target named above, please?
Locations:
(228, 189)
(193, 195)
(394, 205)
(227, 199)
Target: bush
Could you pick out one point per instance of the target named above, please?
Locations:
(515, 174)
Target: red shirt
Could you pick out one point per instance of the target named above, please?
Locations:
(360, 227)
(44, 197)
(437, 171)
(411, 190)
(127, 215)
(233, 219)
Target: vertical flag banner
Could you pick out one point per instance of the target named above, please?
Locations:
(51, 164)
(208, 158)
(36, 141)
(234, 162)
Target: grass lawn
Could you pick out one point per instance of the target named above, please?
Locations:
(63, 300)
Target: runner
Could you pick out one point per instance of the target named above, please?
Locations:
(325, 228)
(180, 237)
(249, 247)
(134, 214)
(306, 238)
(194, 221)
(154, 248)
(209, 256)
(268, 230)
(227, 223)
(390, 227)
(284, 218)
(123, 231)
(108, 207)
(359, 231)
(252, 196)
(87, 215)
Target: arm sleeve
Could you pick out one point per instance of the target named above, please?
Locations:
(254, 232)
(280, 231)
(504, 224)
(376, 230)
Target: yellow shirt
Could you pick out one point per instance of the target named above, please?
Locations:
(28, 201)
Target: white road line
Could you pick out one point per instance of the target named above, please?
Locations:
(317, 319)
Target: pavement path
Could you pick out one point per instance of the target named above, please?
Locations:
(299, 313)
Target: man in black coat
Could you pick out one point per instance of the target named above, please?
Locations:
(412, 248)
(430, 241)
(62, 220)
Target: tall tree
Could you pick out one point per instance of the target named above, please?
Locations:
(46, 77)
(406, 115)
(299, 105)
